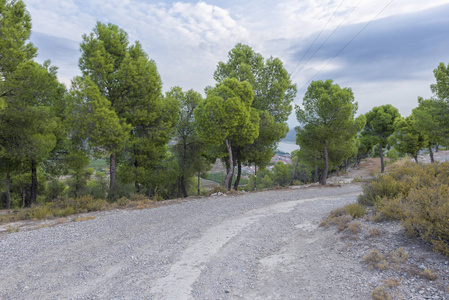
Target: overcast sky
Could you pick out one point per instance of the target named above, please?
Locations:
(389, 58)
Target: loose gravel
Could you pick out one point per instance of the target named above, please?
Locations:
(263, 245)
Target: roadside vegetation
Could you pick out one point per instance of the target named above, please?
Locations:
(114, 134)
(416, 196)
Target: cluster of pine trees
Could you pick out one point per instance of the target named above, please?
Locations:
(158, 143)
(330, 135)
(116, 110)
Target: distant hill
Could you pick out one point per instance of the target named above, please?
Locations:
(291, 136)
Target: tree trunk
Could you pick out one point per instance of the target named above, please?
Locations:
(136, 183)
(326, 165)
(24, 197)
(183, 186)
(33, 194)
(437, 147)
(382, 166)
(316, 173)
(431, 154)
(294, 171)
(338, 171)
(346, 165)
(416, 158)
(255, 177)
(239, 175)
(8, 192)
(228, 179)
(76, 185)
(112, 182)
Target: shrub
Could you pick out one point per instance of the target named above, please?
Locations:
(138, 197)
(338, 212)
(427, 214)
(80, 219)
(12, 229)
(355, 210)
(428, 274)
(39, 212)
(266, 182)
(382, 186)
(389, 209)
(64, 212)
(218, 189)
(374, 231)
(375, 260)
(391, 282)
(418, 196)
(355, 227)
(338, 217)
(399, 256)
(380, 293)
(55, 189)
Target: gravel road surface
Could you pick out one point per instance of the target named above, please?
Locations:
(264, 245)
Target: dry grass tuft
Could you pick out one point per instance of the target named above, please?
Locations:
(355, 210)
(355, 227)
(391, 282)
(428, 274)
(399, 256)
(374, 232)
(380, 293)
(84, 218)
(376, 260)
(11, 229)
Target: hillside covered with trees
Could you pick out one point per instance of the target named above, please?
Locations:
(158, 145)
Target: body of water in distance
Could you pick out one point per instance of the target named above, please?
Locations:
(287, 147)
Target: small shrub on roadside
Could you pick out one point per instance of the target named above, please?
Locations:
(219, 188)
(389, 209)
(338, 217)
(374, 232)
(428, 274)
(12, 229)
(375, 260)
(338, 212)
(122, 202)
(39, 213)
(64, 212)
(355, 210)
(380, 293)
(138, 197)
(382, 186)
(427, 215)
(418, 196)
(84, 218)
(355, 227)
(399, 256)
(391, 282)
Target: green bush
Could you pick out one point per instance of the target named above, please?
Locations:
(355, 210)
(382, 186)
(266, 182)
(39, 212)
(55, 189)
(427, 215)
(418, 196)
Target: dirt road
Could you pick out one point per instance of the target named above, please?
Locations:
(264, 245)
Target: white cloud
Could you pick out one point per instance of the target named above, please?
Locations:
(184, 39)
(188, 38)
